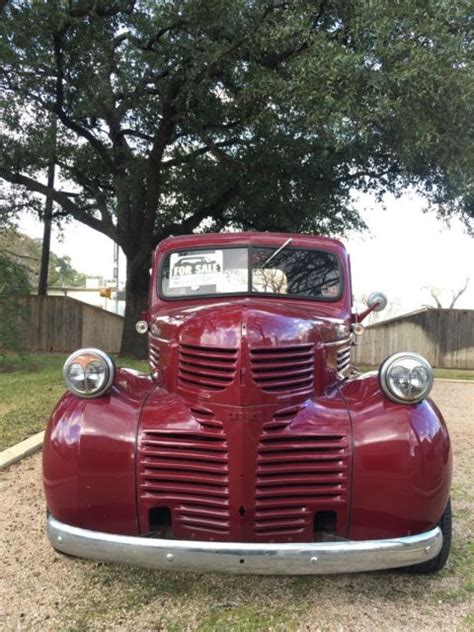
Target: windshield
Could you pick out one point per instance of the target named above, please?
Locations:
(313, 274)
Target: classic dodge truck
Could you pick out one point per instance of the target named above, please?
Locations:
(253, 446)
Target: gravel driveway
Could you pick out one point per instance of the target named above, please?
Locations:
(41, 590)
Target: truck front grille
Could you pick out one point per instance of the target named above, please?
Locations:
(293, 474)
(283, 369)
(209, 368)
(343, 359)
(189, 473)
(154, 353)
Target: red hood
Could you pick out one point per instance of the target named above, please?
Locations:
(265, 322)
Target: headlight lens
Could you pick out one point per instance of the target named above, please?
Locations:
(89, 372)
(406, 378)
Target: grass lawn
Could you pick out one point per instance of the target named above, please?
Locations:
(29, 388)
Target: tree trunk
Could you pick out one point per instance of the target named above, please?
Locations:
(136, 297)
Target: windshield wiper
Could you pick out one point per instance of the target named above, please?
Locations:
(277, 251)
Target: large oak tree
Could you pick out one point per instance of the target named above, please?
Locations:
(187, 115)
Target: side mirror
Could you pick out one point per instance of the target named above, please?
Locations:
(377, 301)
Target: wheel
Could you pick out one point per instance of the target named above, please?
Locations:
(437, 563)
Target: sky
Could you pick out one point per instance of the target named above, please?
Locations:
(403, 252)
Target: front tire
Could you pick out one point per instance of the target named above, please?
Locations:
(437, 563)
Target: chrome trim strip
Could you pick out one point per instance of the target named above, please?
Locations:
(340, 366)
(343, 362)
(343, 352)
(338, 343)
(244, 557)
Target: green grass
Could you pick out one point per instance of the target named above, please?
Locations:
(445, 374)
(454, 374)
(30, 386)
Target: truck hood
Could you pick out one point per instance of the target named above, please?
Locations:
(264, 323)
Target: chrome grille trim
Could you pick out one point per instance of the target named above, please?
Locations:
(343, 359)
(209, 368)
(188, 471)
(293, 473)
(283, 369)
(154, 354)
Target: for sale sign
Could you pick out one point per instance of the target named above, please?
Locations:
(196, 268)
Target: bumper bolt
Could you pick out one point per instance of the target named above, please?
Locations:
(314, 560)
(170, 557)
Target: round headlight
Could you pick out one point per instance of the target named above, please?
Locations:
(89, 372)
(406, 378)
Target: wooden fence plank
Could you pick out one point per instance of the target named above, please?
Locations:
(445, 337)
(64, 324)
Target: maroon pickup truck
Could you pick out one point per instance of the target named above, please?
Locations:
(253, 446)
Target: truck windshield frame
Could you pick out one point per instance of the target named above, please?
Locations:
(250, 280)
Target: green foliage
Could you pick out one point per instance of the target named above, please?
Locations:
(26, 252)
(61, 272)
(13, 282)
(187, 115)
(13, 278)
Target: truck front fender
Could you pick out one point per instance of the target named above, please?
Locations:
(402, 463)
(89, 453)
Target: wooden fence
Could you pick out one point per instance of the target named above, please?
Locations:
(445, 337)
(63, 324)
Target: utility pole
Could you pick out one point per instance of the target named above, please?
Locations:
(48, 216)
(116, 276)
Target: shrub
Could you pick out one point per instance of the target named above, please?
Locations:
(13, 283)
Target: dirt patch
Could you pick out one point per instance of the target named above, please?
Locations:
(41, 590)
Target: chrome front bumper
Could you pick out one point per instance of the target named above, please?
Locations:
(243, 557)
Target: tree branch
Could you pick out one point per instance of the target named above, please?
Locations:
(215, 209)
(58, 107)
(127, 131)
(95, 9)
(436, 299)
(112, 116)
(456, 295)
(161, 141)
(158, 35)
(61, 198)
(199, 152)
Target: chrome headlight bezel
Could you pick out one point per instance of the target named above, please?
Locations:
(99, 356)
(403, 359)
